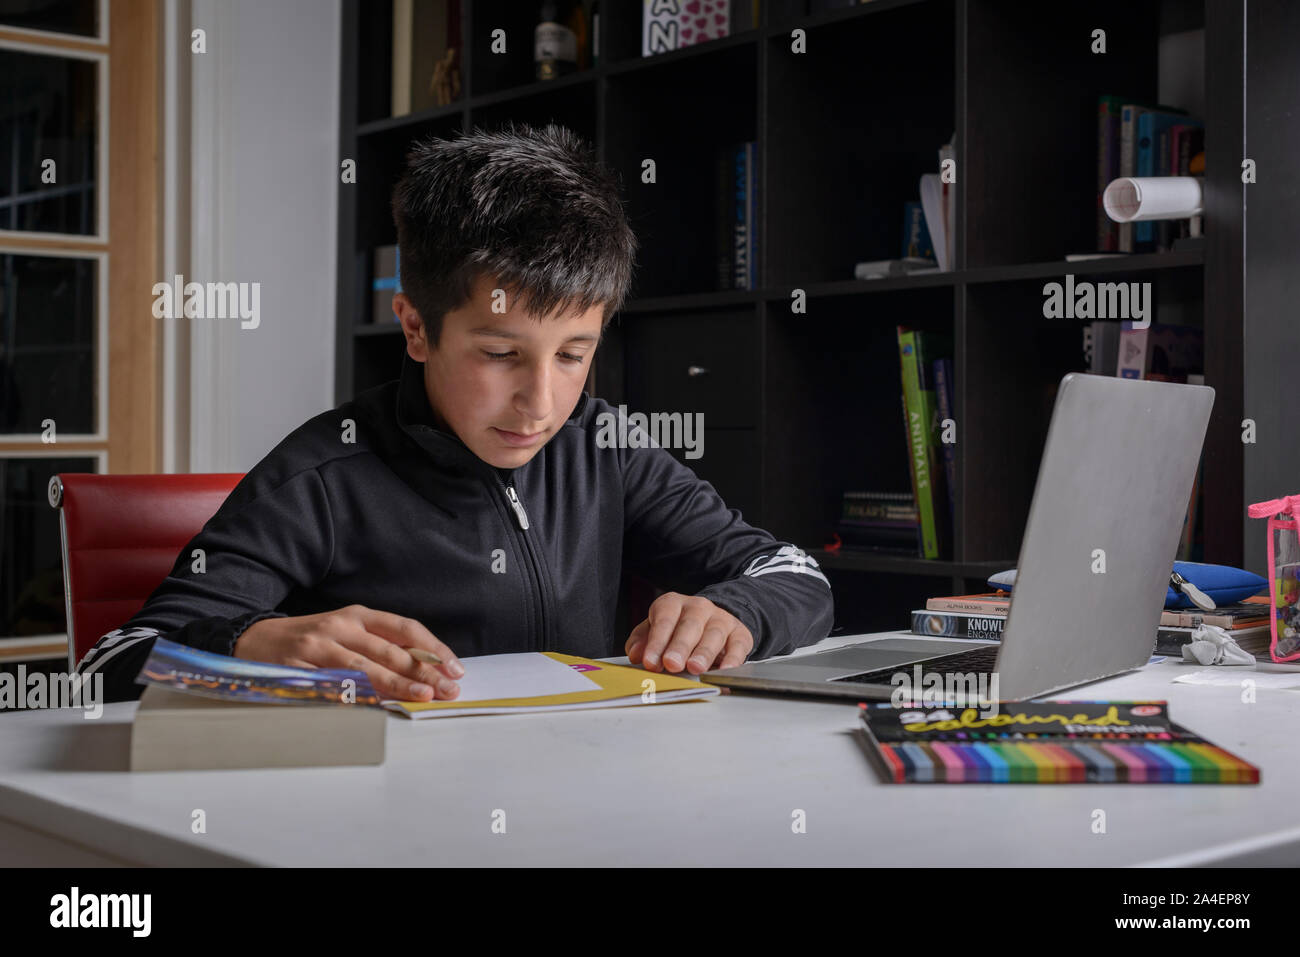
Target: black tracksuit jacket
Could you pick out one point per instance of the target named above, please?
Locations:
(406, 519)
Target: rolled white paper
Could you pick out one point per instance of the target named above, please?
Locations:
(1133, 198)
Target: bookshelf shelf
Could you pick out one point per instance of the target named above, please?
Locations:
(701, 300)
(1111, 268)
(635, 63)
(411, 121)
(843, 133)
(537, 88)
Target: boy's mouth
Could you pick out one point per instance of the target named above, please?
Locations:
(518, 439)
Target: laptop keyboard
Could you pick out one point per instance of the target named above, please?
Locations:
(979, 660)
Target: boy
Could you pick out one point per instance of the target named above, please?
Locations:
(468, 508)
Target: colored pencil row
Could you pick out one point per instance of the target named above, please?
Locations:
(1065, 762)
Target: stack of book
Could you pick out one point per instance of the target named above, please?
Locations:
(1140, 139)
(879, 521)
(984, 616)
(920, 523)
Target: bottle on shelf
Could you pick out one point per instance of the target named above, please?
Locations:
(560, 39)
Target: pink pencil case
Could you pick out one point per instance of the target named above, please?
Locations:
(1284, 573)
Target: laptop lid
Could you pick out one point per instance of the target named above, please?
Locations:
(1103, 530)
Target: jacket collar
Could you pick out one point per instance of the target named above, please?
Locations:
(415, 417)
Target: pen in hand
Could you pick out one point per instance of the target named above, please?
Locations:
(445, 685)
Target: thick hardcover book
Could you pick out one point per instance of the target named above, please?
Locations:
(178, 731)
(207, 711)
(1050, 742)
(955, 624)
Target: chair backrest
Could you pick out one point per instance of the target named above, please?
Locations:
(121, 535)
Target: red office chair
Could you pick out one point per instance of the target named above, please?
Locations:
(121, 535)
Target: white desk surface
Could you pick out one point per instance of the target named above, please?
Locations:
(695, 783)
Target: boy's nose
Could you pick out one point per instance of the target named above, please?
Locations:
(534, 397)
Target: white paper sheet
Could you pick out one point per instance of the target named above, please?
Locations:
(524, 675)
(1234, 675)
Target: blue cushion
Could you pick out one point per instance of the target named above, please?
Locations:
(1225, 584)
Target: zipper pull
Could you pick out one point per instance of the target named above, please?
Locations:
(1198, 597)
(518, 506)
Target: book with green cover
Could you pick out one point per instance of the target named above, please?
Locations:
(918, 410)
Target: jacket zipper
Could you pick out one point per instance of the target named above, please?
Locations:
(521, 517)
(518, 505)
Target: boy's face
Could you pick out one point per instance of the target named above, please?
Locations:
(505, 408)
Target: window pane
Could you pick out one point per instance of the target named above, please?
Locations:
(31, 563)
(80, 17)
(47, 344)
(47, 112)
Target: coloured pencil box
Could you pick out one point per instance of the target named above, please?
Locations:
(1223, 583)
(1283, 565)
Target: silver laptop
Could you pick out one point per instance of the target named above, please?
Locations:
(1103, 529)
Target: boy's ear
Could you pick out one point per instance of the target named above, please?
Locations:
(412, 327)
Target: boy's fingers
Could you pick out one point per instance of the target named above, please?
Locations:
(423, 680)
(393, 657)
(407, 632)
(387, 683)
(687, 634)
(706, 652)
(636, 641)
(738, 649)
(664, 613)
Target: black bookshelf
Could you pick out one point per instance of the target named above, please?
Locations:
(800, 408)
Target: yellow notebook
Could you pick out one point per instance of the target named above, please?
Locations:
(550, 681)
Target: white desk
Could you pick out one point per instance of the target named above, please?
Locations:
(712, 782)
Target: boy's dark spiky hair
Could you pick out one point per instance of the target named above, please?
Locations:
(530, 208)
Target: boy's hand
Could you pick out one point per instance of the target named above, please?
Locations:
(359, 639)
(689, 631)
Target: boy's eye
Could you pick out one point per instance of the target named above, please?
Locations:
(506, 355)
